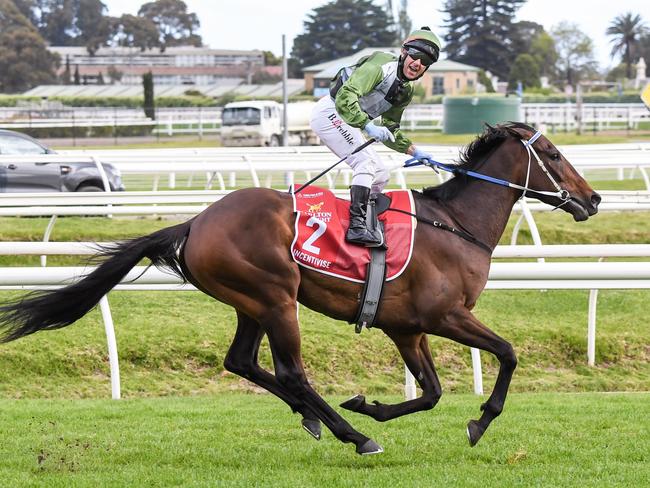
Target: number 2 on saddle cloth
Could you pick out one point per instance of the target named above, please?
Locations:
(319, 243)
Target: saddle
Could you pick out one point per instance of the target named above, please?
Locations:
(319, 244)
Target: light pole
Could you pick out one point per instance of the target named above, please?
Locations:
(285, 129)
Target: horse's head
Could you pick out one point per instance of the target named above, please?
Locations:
(551, 177)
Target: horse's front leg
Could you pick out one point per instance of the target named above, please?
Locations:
(461, 326)
(414, 349)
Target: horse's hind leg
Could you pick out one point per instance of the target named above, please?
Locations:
(414, 349)
(242, 360)
(461, 326)
(283, 332)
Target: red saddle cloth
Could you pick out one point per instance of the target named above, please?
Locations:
(321, 223)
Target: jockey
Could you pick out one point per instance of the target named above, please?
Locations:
(379, 84)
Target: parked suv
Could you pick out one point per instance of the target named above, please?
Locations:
(41, 176)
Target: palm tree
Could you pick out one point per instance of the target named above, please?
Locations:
(626, 30)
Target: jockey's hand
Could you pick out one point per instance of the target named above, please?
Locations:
(379, 133)
(420, 155)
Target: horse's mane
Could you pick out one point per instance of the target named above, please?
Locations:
(472, 156)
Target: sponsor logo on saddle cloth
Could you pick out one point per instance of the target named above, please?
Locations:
(321, 223)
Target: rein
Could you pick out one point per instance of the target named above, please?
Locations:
(560, 193)
(441, 225)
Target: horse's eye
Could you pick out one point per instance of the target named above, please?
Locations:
(555, 156)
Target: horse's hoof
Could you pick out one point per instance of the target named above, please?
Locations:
(474, 432)
(369, 447)
(313, 427)
(354, 403)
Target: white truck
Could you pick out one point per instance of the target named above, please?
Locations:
(259, 123)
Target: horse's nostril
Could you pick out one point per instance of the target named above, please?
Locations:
(595, 199)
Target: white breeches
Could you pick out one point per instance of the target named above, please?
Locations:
(368, 168)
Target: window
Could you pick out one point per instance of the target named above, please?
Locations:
(18, 145)
(438, 85)
(240, 116)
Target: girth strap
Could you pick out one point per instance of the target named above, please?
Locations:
(374, 285)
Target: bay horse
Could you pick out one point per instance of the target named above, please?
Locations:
(237, 251)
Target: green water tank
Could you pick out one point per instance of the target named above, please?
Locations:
(466, 115)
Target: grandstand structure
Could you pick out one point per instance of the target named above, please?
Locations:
(175, 65)
(294, 87)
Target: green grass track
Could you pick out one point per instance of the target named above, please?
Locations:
(243, 440)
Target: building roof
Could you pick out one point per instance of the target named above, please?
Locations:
(330, 68)
(294, 87)
(235, 71)
(170, 51)
(449, 65)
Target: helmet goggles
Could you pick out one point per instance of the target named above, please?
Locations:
(423, 57)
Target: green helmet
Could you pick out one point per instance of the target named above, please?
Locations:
(425, 41)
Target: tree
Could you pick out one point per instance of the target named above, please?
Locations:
(24, 59)
(261, 77)
(149, 101)
(114, 75)
(340, 28)
(90, 24)
(542, 48)
(523, 33)
(485, 81)
(132, 31)
(29, 9)
(480, 32)
(524, 70)
(55, 21)
(616, 74)
(66, 72)
(69, 22)
(400, 20)
(176, 26)
(575, 52)
(271, 59)
(404, 24)
(626, 31)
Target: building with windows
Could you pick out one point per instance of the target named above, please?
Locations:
(182, 65)
(443, 78)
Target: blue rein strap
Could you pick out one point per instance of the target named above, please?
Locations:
(456, 170)
(560, 193)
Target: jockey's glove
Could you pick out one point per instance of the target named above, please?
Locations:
(379, 133)
(422, 156)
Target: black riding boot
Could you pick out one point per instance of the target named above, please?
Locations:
(358, 232)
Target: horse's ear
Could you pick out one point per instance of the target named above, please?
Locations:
(518, 130)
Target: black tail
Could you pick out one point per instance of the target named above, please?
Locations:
(54, 309)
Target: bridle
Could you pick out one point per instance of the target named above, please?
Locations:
(561, 194)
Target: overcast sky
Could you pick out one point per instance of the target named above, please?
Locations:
(259, 24)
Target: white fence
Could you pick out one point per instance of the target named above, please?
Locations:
(520, 275)
(223, 167)
(204, 120)
(192, 202)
